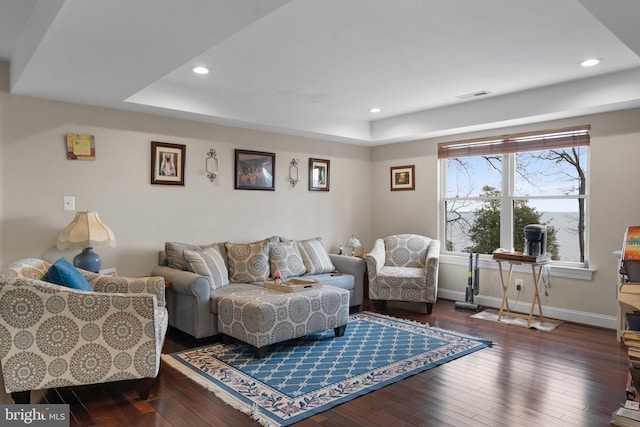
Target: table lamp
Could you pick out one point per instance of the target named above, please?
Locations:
(353, 243)
(86, 231)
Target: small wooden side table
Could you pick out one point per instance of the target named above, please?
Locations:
(517, 258)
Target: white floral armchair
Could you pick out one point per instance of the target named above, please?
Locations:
(53, 336)
(404, 267)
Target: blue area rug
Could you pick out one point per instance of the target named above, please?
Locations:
(302, 377)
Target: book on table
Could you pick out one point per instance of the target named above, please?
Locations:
(626, 417)
(630, 259)
(631, 338)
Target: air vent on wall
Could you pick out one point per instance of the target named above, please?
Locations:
(474, 94)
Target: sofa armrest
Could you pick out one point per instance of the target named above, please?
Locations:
(353, 266)
(432, 262)
(127, 285)
(376, 257)
(185, 282)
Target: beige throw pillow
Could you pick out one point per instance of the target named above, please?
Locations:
(286, 258)
(248, 262)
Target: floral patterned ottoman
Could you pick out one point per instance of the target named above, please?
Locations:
(264, 316)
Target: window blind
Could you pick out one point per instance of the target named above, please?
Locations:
(516, 143)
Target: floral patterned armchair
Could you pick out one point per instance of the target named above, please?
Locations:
(53, 336)
(404, 267)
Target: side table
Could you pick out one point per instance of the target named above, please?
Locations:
(517, 258)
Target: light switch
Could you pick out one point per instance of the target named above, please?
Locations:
(69, 203)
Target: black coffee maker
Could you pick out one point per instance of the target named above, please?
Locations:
(535, 239)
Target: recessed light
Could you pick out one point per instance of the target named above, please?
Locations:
(201, 70)
(590, 62)
(374, 110)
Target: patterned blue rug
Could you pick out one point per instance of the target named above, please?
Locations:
(302, 377)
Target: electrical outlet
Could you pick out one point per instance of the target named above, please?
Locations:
(69, 203)
(519, 285)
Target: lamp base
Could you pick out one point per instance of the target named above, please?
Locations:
(88, 260)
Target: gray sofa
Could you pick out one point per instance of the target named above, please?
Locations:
(200, 275)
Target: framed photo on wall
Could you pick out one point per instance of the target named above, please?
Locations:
(319, 175)
(255, 170)
(167, 163)
(403, 178)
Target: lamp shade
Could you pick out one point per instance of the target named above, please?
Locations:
(354, 242)
(86, 230)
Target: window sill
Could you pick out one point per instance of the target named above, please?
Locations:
(486, 262)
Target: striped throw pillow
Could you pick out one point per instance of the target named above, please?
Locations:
(315, 257)
(210, 264)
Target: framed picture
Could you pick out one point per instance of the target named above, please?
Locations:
(167, 163)
(109, 272)
(318, 175)
(255, 170)
(80, 146)
(403, 178)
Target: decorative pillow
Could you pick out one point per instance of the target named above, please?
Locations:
(315, 257)
(65, 274)
(248, 262)
(286, 258)
(175, 253)
(210, 264)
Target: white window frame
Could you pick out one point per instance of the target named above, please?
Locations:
(575, 270)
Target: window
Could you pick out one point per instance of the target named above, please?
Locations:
(493, 187)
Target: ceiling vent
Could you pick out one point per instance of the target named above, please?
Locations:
(474, 94)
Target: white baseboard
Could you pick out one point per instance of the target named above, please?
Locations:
(583, 317)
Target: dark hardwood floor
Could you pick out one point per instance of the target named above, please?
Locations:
(572, 376)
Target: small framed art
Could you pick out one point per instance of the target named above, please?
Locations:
(319, 175)
(255, 170)
(80, 146)
(403, 178)
(167, 163)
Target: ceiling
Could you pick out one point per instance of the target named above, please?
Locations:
(314, 67)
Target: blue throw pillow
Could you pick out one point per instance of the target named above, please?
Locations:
(65, 274)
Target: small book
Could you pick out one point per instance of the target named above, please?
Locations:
(626, 416)
(633, 320)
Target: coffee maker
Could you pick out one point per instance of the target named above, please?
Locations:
(535, 239)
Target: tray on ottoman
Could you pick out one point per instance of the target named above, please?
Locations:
(292, 285)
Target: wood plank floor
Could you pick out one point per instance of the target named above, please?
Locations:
(572, 376)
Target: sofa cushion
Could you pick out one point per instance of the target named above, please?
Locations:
(286, 258)
(315, 257)
(208, 263)
(248, 262)
(65, 274)
(339, 280)
(406, 250)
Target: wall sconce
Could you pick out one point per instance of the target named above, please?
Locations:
(294, 177)
(212, 172)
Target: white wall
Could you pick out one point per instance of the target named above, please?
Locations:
(615, 154)
(35, 176)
